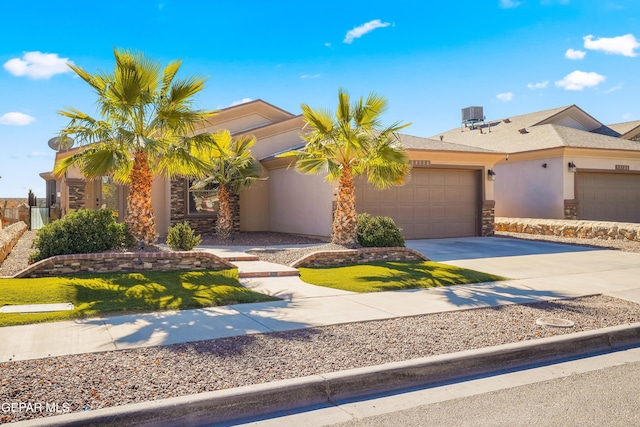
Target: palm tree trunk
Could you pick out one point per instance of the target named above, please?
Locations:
(345, 220)
(224, 222)
(139, 216)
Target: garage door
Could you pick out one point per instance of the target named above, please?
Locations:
(434, 203)
(608, 196)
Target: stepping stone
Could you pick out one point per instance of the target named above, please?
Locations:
(36, 308)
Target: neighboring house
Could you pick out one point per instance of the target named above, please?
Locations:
(561, 163)
(13, 202)
(448, 193)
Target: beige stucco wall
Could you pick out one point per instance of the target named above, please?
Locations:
(161, 203)
(276, 143)
(524, 189)
(254, 207)
(238, 124)
(299, 203)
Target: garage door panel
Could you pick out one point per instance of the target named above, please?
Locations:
(405, 195)
(433, 203)
(608, 196)
(420, 179)
(405, 214)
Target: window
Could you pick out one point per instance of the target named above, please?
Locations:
(202, 201)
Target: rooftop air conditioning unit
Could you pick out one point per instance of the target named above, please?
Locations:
(472, 115)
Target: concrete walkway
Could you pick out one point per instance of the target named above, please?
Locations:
(542, 271)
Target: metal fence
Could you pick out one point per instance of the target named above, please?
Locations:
(39, 217)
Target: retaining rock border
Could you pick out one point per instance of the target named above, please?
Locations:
(122, 262)
(582, 229)
(9, 236)
(357, 256)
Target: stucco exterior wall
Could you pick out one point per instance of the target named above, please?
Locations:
(299, 203)
(161, 203)
(525, 189)
(254, 207)
(238, 124)
(275, 143)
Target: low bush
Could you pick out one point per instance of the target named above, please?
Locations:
(378, 231)
(82, 231)
(181, 237)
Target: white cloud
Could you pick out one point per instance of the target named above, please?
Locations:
(613, 89)
(509, 4)
(363, 29)
(310, 76)
(621, 45)
(16, 119)
(574, 54)
(38, 65)
(540, 85)
(505, 97)
(578, 80)
(327, 44)
(241, 101)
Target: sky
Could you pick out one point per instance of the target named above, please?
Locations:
(429, 59)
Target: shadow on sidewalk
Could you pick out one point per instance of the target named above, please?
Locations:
(495, 294)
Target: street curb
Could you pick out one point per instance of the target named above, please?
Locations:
(262, 399)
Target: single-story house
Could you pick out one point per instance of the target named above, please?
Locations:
(449, 192)
(560, 163)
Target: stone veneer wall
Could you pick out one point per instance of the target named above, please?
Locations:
(571, 228)
(76, 195)
(121, 262)
(488, 218)
(357, 256)
(201, 224)
(9, 236)
(571, 209)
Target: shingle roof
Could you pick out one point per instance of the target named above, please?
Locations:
(419, 143)
(623, 128)
(526, 133)
(578, 138)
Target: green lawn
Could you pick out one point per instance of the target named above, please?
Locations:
(393, 275)
(104, 294)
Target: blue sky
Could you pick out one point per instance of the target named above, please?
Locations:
(430, 59)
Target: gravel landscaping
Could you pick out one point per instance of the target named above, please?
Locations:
(288, 256)
(97, 380)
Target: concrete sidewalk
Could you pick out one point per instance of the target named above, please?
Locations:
(542, 271)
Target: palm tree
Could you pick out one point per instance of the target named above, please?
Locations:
(231, 168)
(145, 127)
(351, 144)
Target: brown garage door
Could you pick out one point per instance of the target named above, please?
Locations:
(608, 196)
(434, 203)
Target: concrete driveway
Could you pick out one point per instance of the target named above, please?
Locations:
(540, 265)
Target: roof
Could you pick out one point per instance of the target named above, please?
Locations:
(627, 129)
(411, 142)
(567, 126)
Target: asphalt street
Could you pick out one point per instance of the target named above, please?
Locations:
(596, 391)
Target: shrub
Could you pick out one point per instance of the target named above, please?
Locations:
(82, 231)
(180, 237)
(378, 231)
